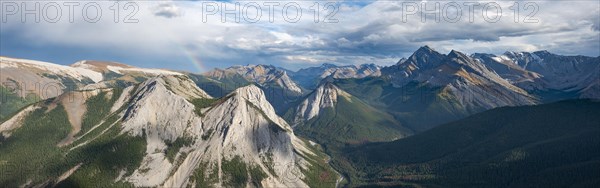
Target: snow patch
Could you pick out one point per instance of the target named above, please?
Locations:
(121, 70)
(77, 73)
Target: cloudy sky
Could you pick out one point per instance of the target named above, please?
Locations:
(197, 36)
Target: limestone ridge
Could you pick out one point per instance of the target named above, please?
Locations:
(242, 125)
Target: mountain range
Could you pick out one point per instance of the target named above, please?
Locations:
(102, 123)
(164, 131)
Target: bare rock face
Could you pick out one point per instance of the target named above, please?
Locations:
(241, 126)
(325, 96)
(161, 105)
(246, 126)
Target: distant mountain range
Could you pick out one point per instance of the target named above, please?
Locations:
(421, 91)
(250, 125)
(312, 76)
(275, 82)
(424, 90)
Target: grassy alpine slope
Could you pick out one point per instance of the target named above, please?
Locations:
(351, 122)
(418, 106)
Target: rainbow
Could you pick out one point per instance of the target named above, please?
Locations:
(189, 54)
(194, 59)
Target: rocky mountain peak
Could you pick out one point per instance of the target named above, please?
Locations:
(425, 49)
(240, 126)
(328, 65)
(251, 98)
(457, 54)
(425, 57)
(325, 96)
(161, 105)
(542, 53)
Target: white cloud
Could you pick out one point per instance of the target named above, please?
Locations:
(374, 33)
(167, 10)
